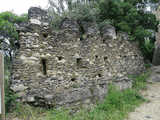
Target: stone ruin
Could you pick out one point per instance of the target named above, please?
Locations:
(68, 67)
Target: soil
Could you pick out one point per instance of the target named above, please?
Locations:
(150, 110)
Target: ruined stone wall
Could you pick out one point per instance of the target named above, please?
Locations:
(66, 67)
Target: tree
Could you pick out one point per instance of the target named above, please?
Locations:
(130, 16)
(8, 33)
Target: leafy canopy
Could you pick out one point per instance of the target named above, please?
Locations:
(7, 21)
(130, 16)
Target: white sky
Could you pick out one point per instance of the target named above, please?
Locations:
(21, 6)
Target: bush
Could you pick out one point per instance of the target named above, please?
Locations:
(7, 21)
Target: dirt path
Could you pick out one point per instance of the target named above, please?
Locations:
(149, 110)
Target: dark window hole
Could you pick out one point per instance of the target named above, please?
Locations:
(99, 75)
(60, 58)
(105, 58)
(44, 66)
(73, 79)
(136, 55)
(96, 56)
(18, 31)
(45, 35)
(17, 44)
(79, 61)
(102, 86)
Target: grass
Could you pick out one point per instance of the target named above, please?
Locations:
(116, 106)
(139, 82)
(26, 112)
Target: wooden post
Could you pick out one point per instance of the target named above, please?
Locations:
(2, 86)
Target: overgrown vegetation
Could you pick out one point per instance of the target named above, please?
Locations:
(129, 16)
(10, 97)
(26, 112)
(8, 30)
(116, 106)
(79, 11)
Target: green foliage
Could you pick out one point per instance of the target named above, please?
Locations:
(123, 14)
(7, 21)
(10, 97)
(13, 18)
(139, 82)
(26, 112)
(84, 13)
(115, 107)
(7, 29)
(136, 22)
(148, 48)
(56, 21)
(58, 115)
(77, 11)
(103, 23)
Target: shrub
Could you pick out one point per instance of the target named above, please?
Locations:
(7, 21)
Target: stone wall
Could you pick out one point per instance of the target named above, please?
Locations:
(68, 67)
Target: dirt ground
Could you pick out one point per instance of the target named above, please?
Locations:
(149, 110)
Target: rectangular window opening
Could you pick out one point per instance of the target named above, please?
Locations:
(44, 66)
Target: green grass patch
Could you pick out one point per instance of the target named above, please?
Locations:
(140, 82)
(26, 112)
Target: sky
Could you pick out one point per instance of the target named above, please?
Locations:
(21, 6)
